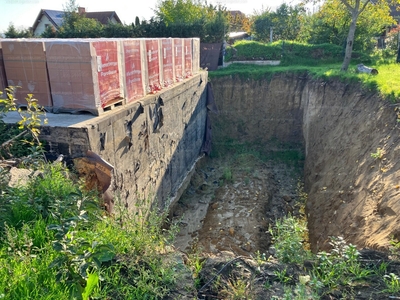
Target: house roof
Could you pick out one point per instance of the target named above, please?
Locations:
(103, 16)
(235, 13)
(56, 17)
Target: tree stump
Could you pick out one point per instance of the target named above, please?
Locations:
(364, 69)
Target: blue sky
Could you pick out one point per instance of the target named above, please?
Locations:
(22, 13)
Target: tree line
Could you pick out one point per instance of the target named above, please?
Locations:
(333, 21)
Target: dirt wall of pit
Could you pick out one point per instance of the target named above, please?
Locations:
(350, 193)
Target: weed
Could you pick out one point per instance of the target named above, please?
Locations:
(378, 154)
(288, 236)
(282, 276)
(340, 266)
(392, 282)
(227, 175)
(195, 263)
(236, 289)
(394, 248)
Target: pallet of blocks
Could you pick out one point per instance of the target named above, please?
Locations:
(85, 75)
(25, 68)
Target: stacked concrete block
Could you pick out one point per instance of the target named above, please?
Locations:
(167, 66)
(25, 66)
(133, 68)
(154, 74)
(196, 55)
(188, 58)
(3, 79)
(178, 59)
(84, 75)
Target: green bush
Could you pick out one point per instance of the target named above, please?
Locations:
(290, 53)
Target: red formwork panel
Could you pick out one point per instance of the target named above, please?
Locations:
(25, 66)
(84, 74)
(168, 77)
(188, 58)
(196, 55)
(134, 55)
(3, 79)
(178, 59)
(153, 84)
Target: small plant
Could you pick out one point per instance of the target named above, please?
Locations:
(394, 249)
(236, 289)
(282, 276)
(288, 236)
(340, 266)
(392, 282)
(195, 263)
(227, 176)
(378, 154)
(30, 122)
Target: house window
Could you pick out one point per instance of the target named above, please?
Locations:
(46, 25)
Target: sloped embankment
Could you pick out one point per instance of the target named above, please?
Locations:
(352, 146)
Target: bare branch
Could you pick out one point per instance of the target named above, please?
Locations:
(14, 138)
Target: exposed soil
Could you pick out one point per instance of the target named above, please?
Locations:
(230, 206)
(225, 216)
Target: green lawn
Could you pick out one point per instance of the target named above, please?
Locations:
(386, 83)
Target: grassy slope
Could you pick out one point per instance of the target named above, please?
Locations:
(318, 61)
(385, 83)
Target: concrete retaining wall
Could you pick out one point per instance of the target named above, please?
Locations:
(152, 143)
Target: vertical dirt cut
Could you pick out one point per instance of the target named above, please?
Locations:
(351, 143)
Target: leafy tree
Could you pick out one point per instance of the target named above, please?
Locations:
(179, 11)
(357, 8)
(49, 32)
(137, 21)
(117, 30)
(262, 25)
(330, 25)
(13, 32)
(285, 23)
(188, 18)
(78, 26)
(239, 22)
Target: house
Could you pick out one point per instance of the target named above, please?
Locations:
(54, 18)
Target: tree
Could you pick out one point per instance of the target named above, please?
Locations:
(284, 23)
(78, 26)
(13, 32)
(330, 25)
(188, 18)
(356, 8)
(179, 11)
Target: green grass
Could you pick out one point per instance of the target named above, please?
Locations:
(316, 61)
(385, 83)
(56, 243)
